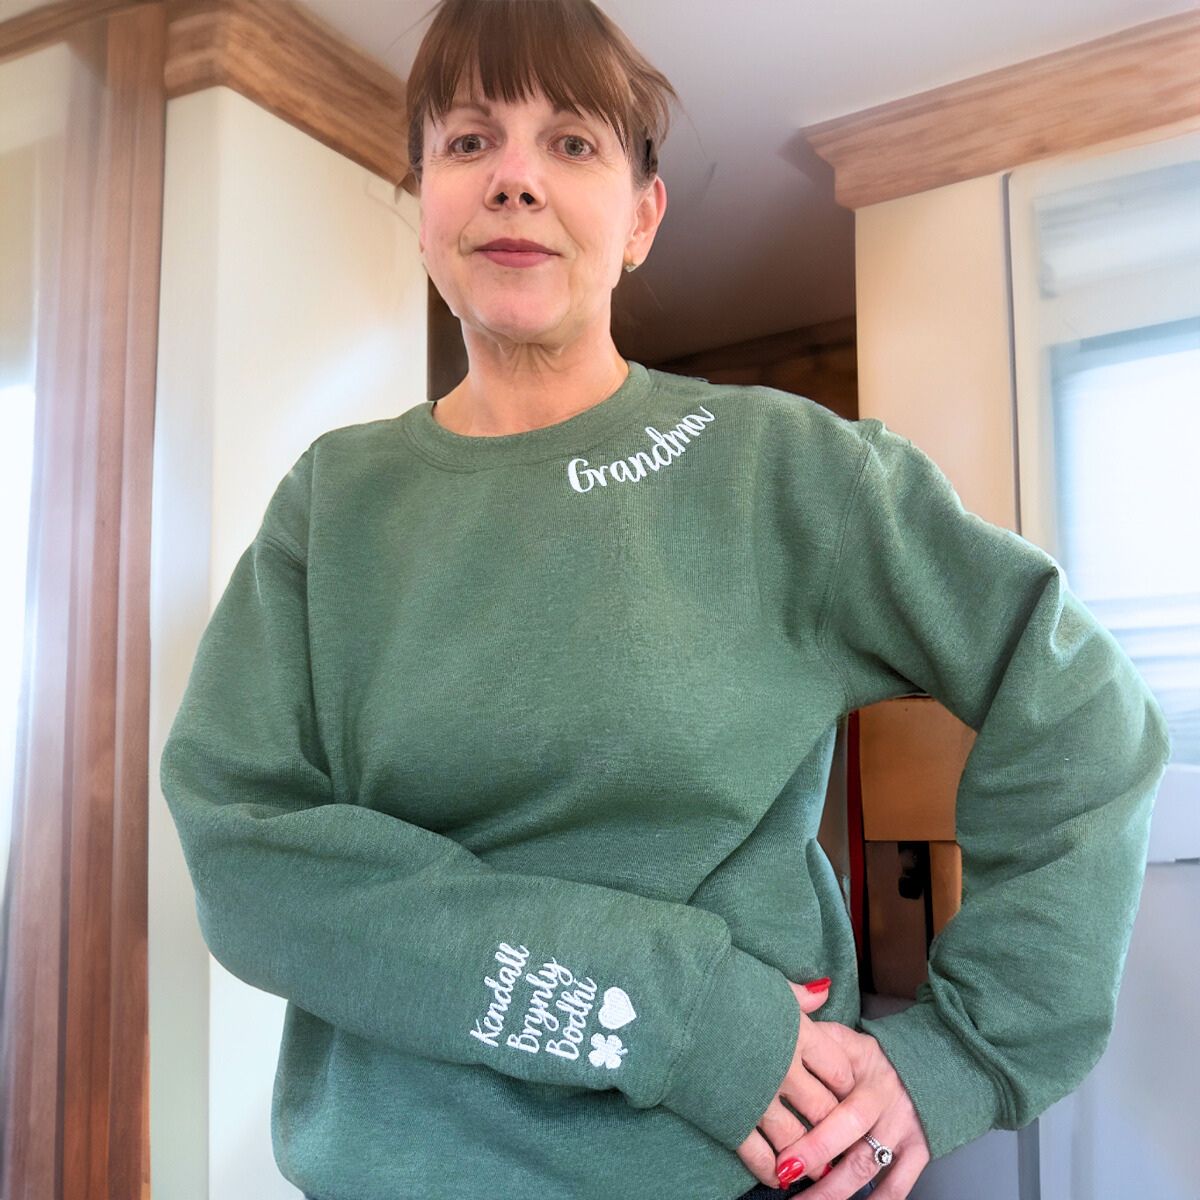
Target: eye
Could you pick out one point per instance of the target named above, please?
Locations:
(573, 140)
(461, 137)
(574, 137)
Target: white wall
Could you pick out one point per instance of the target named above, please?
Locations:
(293, 301)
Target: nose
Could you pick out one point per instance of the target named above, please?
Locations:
(524, 197)
(514, 182)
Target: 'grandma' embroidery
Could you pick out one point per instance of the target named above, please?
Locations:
(553, 990)
(667, 447)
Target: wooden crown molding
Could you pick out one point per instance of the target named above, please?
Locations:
(50, 23)
(274, 52)
(1127, 83)
(279, 55)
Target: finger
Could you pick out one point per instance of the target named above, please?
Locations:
(859, 1048)
(857, 1164)
(799, 1094)
(808, 1096)
(811, 995)
(910, 1156)
(842, 1129)
(824, 1058)
(897, 1181)
(779, 1125)
(801, 1157)
(856, 1168)
(759, 1158)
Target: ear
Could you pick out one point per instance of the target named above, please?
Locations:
(648, 215)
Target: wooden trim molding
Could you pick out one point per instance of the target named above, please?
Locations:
(75, 1006)
(274, 52)
(283, 58)
(1127, 83)
(50, 23)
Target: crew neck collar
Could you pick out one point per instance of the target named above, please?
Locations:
(467, 452)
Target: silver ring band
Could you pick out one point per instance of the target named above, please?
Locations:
(883, 1154)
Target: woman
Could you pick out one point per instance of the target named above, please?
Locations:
(503, 753)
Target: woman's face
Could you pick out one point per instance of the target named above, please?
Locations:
(522, 170)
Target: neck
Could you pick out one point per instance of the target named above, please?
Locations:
(516, 388)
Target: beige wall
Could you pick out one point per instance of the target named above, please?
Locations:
(293, 301)
(934, 365)
(934, 362)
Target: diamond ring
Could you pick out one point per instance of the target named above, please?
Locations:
(883, 1154)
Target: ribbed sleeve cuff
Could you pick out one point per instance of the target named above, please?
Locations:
(739, 1048)
(955, 1099)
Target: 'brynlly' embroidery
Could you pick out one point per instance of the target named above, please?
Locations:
(575, 1001)
(667, 447)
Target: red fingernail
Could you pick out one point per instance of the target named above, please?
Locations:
(790, 1170)
(818, 985)
(828, 1168)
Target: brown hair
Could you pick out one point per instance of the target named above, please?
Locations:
(567, 49)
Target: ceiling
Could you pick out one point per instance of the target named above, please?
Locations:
(753, 242)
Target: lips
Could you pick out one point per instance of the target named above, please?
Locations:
(518, 245)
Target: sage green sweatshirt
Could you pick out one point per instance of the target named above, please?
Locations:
(502, 760)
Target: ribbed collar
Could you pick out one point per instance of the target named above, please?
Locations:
(464, 452)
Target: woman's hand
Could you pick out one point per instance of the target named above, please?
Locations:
(877, 1104)
(821, 1072)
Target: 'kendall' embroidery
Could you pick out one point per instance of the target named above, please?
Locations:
(667, 447)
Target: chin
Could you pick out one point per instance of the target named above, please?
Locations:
(516, 326)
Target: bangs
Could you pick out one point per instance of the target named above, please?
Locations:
(509, 50)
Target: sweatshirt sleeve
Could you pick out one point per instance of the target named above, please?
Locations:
(1054, 802)
(403, 936)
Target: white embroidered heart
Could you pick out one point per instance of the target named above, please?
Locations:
(617, 1009)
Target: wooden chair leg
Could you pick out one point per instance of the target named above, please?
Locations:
(945, 872)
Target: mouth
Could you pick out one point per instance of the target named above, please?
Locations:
(516, 252)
